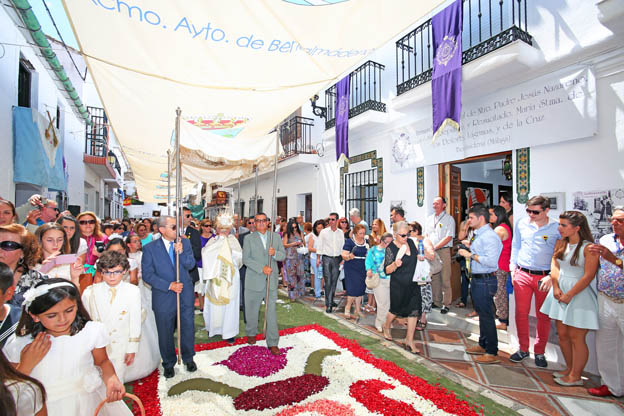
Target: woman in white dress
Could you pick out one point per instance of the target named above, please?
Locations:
(148, 356)
(74, 346)
(572, 300)
(222, 257)
(55, 246)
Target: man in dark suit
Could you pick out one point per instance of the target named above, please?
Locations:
(194, 237)
(159, 271)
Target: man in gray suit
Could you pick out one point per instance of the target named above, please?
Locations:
(256, 252)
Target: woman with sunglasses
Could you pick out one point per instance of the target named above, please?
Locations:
(294, 274)
(77, 244)
(53, 241)
(343, 224)
(205, 235)
(90, 229)
(7, 212)
(405, 299)
(20, 251)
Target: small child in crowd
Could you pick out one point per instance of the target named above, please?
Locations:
(9, 315)
(117, 305)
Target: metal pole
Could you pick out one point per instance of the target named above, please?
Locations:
(178, 222)
(240, 209)
(168, 182)
(273, 213)
(256, 191)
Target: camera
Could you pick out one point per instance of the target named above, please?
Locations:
(99, 246)
(461, 259)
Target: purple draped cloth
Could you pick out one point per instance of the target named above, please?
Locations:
(342, 118)
(447, 64)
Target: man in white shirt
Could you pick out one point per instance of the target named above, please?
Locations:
(440, 228)
(331, 241)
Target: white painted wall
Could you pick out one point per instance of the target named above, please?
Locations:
(45, 97)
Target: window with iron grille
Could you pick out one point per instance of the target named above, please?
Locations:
(361, 193)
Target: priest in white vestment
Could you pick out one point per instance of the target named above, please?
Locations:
(222, 257)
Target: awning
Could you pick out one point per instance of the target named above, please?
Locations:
(236, 68)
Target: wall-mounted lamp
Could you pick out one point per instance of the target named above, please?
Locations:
(318, 110)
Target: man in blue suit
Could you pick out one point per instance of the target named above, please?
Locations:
(158, 265)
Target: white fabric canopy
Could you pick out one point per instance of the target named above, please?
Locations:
(236, 68)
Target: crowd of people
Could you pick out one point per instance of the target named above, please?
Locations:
(104, 293)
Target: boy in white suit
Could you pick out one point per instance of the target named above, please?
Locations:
(117, 305)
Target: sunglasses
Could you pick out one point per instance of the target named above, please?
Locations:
(534, 212)
(206, 225)
(402, 235)
(618, 220)
(187, 216)
(261, 220)
(173, 227)
(343, 222)
(85, 222)
(10, 246)
(332, 219)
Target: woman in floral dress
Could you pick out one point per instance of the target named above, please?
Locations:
(294, 275)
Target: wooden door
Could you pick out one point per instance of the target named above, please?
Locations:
(308, 208)
(454, 207)
(282, 207)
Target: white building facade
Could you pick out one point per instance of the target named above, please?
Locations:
(93, 163)
(543, 113)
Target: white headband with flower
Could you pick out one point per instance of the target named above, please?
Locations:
(33, 293)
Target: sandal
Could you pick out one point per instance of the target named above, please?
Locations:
(420, 326)
(406, 347)
(472, 314)
(386, 333)
(461, 305)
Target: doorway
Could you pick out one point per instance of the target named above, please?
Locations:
(308, 208)
(479, 179)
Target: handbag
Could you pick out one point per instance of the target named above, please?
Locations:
(435, 264)
(422, 273)
(373, 281)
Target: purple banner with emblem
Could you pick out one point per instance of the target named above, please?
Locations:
(446, 28)
(342, 118)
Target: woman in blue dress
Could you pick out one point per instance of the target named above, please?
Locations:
(572, 301)
(354, 254)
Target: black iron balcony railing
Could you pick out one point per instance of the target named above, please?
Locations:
(488, 25)
(296, 136)
(364, 93)
(96, 135)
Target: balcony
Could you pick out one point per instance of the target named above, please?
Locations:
(96, 145)
(488, 26)
(296, 136)
(364, 93)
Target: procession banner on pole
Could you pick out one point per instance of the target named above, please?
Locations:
(446, 28)
(342, 119)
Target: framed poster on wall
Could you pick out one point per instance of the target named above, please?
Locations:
(475, 193)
